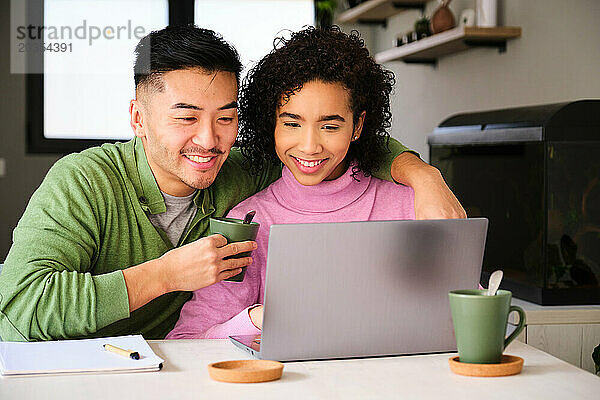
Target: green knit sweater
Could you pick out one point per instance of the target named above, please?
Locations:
(87, 222)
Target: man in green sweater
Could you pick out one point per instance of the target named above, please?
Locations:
(116, 237)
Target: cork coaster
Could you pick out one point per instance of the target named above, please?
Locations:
(509, 365)
(245, 371)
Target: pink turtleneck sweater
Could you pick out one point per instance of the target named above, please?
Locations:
(221, 310)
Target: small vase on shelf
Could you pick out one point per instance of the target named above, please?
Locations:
(442, 18)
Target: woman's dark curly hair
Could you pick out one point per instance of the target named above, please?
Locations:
(327, 55)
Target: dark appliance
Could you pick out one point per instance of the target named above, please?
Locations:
(534, 172)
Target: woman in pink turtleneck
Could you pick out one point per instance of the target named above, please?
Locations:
(320, 105)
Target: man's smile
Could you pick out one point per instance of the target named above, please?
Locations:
(198, 159)
(200, 162)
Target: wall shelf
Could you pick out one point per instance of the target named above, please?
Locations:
(377, 11)
(429, 49)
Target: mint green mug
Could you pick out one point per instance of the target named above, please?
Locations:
(235, 230)
(480, 324)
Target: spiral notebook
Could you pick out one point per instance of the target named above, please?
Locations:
(76, 356)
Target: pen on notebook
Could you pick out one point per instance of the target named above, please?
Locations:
(125, 353)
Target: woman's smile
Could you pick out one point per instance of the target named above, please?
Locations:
(309, 166)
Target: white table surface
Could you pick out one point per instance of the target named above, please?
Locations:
(185, 375)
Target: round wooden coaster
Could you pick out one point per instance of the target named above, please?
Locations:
(509, 365)
(245, 371)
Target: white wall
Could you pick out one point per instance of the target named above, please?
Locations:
(556, 59)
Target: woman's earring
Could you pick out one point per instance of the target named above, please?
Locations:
(355, 137)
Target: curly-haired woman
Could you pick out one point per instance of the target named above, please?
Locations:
(319, 104)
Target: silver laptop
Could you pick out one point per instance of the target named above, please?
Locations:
(363, 289)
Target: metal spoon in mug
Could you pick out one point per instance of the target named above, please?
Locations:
(249, 216)
(494, 283)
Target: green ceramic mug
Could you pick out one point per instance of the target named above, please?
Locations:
(235, 230)
(480, 324)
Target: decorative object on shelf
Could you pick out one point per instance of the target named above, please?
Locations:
(324, 10)
(406, 38)
(442, 18)
(399, 40)
(453, 41)
(486, 12)
(467, 17)
(422, 27)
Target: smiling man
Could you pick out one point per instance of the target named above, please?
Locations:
(188, 103)
(115, 238)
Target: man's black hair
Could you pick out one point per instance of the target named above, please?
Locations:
(182, 47)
